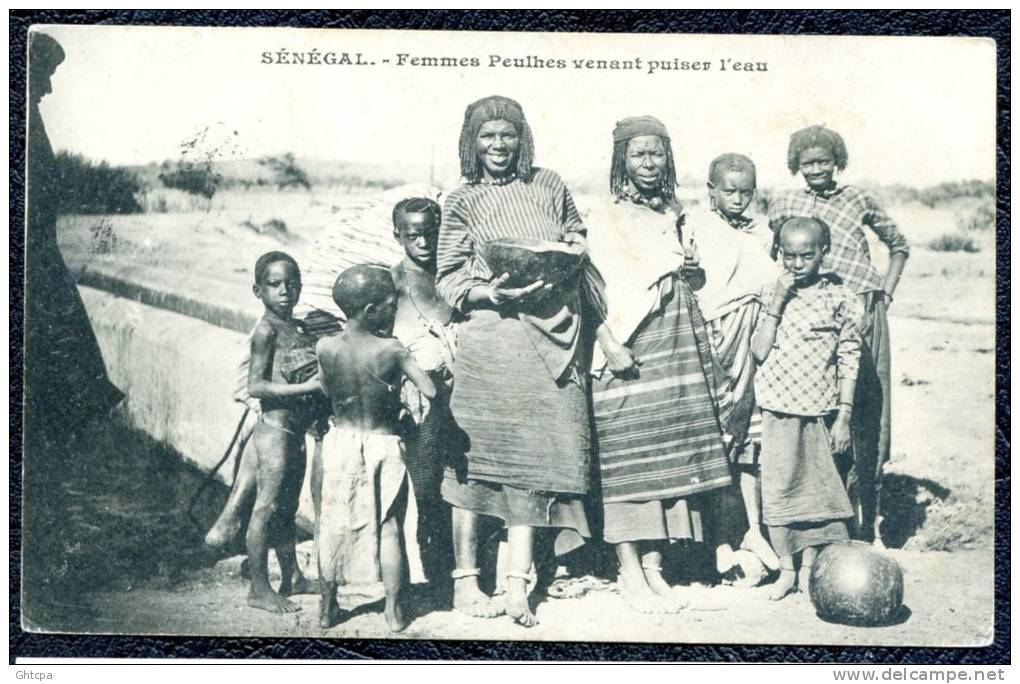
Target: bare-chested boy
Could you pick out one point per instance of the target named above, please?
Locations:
(425, 325)
(360, 484)
(279, 348)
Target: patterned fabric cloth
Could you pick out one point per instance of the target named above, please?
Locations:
(817, 344)
(659, 435)
(731, 337)
(363, 476)
(847, 210)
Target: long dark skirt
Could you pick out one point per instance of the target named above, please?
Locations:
(804, 502)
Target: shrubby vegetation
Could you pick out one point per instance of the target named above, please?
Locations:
(953, 242)
(195, 179)
(86, 187)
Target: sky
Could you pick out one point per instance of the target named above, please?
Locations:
(916, 111)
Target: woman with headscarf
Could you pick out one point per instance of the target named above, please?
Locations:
(659, 428)
(66, 385)
(519, 390)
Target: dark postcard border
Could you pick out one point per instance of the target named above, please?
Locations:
(990, 24)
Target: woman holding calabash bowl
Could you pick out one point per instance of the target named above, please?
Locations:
(520, 383)
(658, 425)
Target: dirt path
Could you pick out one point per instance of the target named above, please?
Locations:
(948, 598)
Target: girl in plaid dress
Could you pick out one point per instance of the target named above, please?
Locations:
(808, 347)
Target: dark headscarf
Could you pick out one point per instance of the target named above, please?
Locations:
(494, 108)
(633, 127)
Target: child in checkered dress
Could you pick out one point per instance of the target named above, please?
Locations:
(818, 153)
(808, 347)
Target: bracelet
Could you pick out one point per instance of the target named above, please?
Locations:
(847, 404)
(888, 295)
(769, 312)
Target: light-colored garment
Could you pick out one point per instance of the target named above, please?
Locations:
(736, 263)
(633, 247)
(363, 474)
(818, 343)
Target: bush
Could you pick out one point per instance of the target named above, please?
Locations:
(191, 178)
(286, 172)
(980, 219)
(951, 242)
(946, 192)
(89, 188)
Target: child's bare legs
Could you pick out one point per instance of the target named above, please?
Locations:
(393, 561)
(754, 540)
(271, 447)
(787, 582)
(807, 561)
(521, 539)
(226, 527)
(329, 609)
(467, 596)
(292, 582)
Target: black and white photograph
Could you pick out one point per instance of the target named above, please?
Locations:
(494, 336)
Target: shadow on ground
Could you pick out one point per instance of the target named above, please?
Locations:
(905, 503)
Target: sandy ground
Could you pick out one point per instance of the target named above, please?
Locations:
(947, 603)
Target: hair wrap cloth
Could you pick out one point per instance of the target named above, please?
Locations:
(634, 126)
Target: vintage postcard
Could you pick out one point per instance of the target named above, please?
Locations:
(510, 336)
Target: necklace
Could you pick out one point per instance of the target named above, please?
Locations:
(502, 180)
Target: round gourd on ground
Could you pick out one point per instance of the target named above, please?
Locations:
(853, 583)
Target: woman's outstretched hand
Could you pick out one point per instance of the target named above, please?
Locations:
(499, 295)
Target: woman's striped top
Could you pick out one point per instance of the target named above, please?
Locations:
(477, 213)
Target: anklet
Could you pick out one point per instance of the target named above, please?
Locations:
(519, 575)
(654, 568)
(466, 572)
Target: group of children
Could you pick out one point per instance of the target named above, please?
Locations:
(823, 432)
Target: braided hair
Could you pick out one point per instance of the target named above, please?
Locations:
(619, 181)
(494, 108)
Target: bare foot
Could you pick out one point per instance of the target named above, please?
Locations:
(640, 597)
(470, 600)
(298, 585)
(222, 533)
(394, 614)
(756, 543)
(666, 593)
(784, 586)
(517, 606)
(272, 602)
(329, 613)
